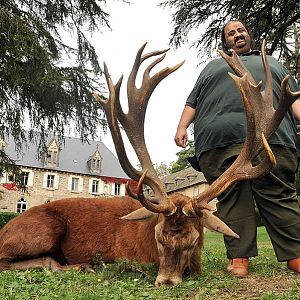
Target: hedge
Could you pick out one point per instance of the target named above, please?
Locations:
(6, 216)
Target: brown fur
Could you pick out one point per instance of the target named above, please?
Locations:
(72, 231)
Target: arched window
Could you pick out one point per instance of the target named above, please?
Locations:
(21, 205)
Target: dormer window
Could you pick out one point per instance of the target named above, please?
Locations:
(95, 162)
(179, 180)
(52, 155)
(191, 177)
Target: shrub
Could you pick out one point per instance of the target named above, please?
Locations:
(5, 217)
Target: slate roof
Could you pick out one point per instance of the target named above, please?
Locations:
(182, 179)
(73, 157)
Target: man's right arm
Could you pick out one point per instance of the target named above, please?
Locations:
(187, 117)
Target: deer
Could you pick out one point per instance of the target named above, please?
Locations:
(164, 229)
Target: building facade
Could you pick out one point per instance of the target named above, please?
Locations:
(66, 169)
(188, 182)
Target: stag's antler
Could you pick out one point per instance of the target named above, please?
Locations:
(133, 123)
(262, 122)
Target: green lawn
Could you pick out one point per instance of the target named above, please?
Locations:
(122, 280)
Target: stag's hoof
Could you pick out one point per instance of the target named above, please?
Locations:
(294, 265)
(238, 267)
(86, 268)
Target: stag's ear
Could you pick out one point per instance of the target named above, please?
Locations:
(141, 214)
(210, 221)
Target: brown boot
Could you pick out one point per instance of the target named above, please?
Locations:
(238, 266)
(294, 264)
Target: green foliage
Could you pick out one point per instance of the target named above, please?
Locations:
(8, 165)
(268, 279)
(291, 51)
(162, 169)
(182, 163)
(5, 217)
(49, 68)
(268, 19)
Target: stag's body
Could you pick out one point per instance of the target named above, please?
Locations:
(72, 231)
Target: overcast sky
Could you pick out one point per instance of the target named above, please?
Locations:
(133, 25)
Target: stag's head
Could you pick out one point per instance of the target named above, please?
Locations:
(178, 238)
(180, 219)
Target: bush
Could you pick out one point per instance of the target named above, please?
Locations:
(5, 217)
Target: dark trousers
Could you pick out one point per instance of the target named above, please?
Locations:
(274, 195)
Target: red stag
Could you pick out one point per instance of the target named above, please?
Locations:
(69, 233)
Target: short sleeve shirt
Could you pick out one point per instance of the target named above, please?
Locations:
(220, 118)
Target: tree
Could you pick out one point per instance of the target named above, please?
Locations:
(268, 19)
(162, 169)
(291, 50)
(43, 76)
(182, 163)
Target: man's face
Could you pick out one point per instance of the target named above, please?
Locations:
(237, 37)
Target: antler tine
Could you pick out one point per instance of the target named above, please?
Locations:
(140, 196)
(287, 98)
(109, 105)
(236, 64)
(262, 121)
(137, 105)
(141, 96)
(139, 187)
(133, 123)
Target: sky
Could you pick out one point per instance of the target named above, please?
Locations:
(131, 26)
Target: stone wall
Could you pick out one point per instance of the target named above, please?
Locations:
(37, 194)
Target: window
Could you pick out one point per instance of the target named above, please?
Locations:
(21, 205)
(50, 181)
(52, 154)
(25, 177)
(117, 188)
(75, 184)
(95, 186)
(52, 157)
(96, 163)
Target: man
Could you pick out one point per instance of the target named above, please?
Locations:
(216, 108)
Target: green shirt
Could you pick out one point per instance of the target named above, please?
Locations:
(220, 118)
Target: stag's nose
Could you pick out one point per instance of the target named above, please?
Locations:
(168, 281)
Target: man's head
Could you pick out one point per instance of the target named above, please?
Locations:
(236, 36)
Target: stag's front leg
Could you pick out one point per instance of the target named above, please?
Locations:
(46, 262)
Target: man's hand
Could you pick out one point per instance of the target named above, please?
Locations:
(187, 117)
(181, 137)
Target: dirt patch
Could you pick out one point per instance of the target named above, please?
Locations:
(253, 287)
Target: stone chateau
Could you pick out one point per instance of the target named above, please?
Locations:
(69, 169)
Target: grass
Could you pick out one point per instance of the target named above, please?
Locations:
(123, 280)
